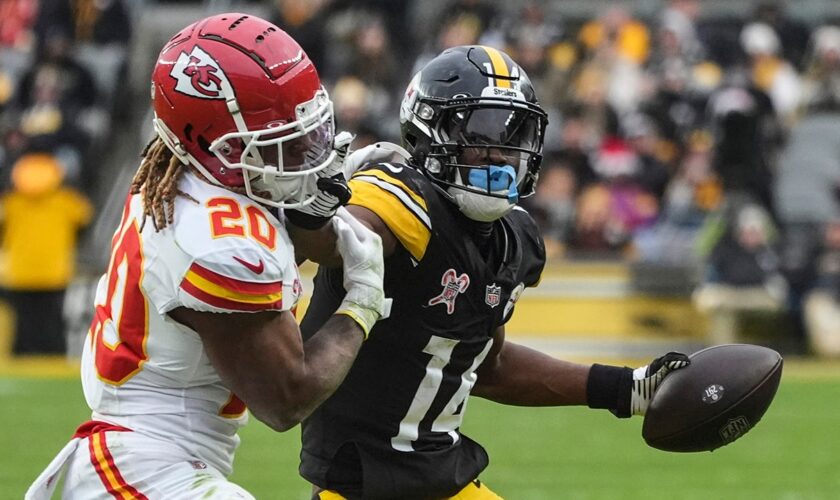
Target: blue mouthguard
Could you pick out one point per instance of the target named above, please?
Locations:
(500, 178)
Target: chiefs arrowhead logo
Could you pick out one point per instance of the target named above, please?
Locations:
(199, 75)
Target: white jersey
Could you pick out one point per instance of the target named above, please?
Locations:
(140, 369)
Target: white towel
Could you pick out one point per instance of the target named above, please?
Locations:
(44, 485)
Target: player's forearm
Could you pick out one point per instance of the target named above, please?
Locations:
(524, 377)
(266, 364)
(317, 245)
(329, 354)
(298, 388)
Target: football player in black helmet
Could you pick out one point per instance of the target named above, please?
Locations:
(458, 254)
(471, 122)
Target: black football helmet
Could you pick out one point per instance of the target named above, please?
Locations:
(472, 123)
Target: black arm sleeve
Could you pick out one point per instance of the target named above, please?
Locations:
(326, 297)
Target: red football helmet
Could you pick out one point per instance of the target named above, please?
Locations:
(237, 98)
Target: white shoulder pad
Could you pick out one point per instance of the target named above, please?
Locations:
(234, 255)
(242, 281)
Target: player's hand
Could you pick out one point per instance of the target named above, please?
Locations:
(647, 379)
(362, 261)
(333, 191)
(372, 153)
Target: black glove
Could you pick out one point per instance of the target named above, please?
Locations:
(333, 191)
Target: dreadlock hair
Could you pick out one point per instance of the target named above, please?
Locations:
(157, 182)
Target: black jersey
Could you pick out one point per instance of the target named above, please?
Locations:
(392, 429)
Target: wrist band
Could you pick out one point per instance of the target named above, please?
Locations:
(609, 387)
(364, 317)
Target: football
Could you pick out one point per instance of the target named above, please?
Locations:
(715, 400)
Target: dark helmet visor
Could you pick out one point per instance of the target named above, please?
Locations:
(517, 129)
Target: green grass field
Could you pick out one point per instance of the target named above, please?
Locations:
(543, 453)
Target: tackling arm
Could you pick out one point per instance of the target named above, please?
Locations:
(261, 357)
(320, 244)
(317, 245)
(265, 363)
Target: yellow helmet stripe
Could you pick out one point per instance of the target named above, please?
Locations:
(499, 66)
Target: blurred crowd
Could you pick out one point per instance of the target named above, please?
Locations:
(681, 137)
(60, 61)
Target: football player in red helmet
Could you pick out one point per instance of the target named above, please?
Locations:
(240, 103)
(193, 319)
(459, 254)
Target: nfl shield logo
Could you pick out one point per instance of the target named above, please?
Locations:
(493, 295)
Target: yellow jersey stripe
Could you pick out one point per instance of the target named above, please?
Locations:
(116, 487)
(412, 201)
(211, 288)
(396, 182)
(330, 495)
(475, 490)
(499, 66)
(412, 231)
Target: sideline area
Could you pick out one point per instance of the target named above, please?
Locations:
(581, 311)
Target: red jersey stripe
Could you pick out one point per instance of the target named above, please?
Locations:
(234, 408)
(235, 285)
(224, 303)
(110, 476)
(94, 426)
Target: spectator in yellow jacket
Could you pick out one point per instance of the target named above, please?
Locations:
(40, 220)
